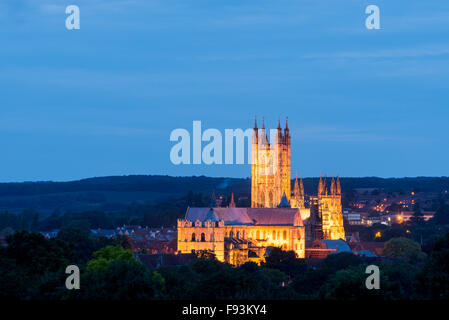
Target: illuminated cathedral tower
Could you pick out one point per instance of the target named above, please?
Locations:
(270, 169)
(330, 210)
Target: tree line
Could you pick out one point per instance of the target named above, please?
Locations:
(32, 268)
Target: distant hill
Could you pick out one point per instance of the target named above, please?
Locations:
(116, 193)
(109, 193)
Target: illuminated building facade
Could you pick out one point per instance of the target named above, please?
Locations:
(277, 218)
(270, 167)
(328, 207)
(238, 235)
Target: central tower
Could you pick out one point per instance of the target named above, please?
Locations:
(270, 166)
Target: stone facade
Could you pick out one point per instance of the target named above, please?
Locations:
(238, 235)
(276, 218)
(270, 167)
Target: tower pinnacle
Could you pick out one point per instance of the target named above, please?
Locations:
(296, 187)
(333, 187)
(338, 188)
(320, 186)
(232, 203)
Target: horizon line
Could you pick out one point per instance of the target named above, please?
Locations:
(213, 177)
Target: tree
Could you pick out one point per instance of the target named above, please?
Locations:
(401, 277)
(180, 282)
(349, 284)
(433, 282)
(285, 261)
(339, 261)
(418, 218)
(84, 245)
(9, 220)
(106, 255)
(125, 242)
(403, 248)
(35, 222)
(36, 254)
(442, 213)
(31, 265)
(6, 232)
(79, 239)
(308, 284)
(120, 279)
(26, 219)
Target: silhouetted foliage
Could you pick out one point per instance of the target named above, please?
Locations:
(31, 262)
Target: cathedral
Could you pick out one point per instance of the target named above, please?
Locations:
(277, 217)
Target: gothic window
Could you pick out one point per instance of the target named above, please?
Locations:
(285, 235)
(193, 237)
(274, 235)
(258, 234)
(238, 234)
(203, 237)
(231, 234)
(270, 198)
(262, 200)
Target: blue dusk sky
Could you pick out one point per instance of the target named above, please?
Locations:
(103, 100)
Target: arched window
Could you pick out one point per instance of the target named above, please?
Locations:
(238, 234)
(212, 237)
(203, 237)
(258, 234)
(193, 237)
(285, 235)
(274, 235)
(262, 200)
(231, 234)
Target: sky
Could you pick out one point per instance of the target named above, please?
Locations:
(103, 100)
